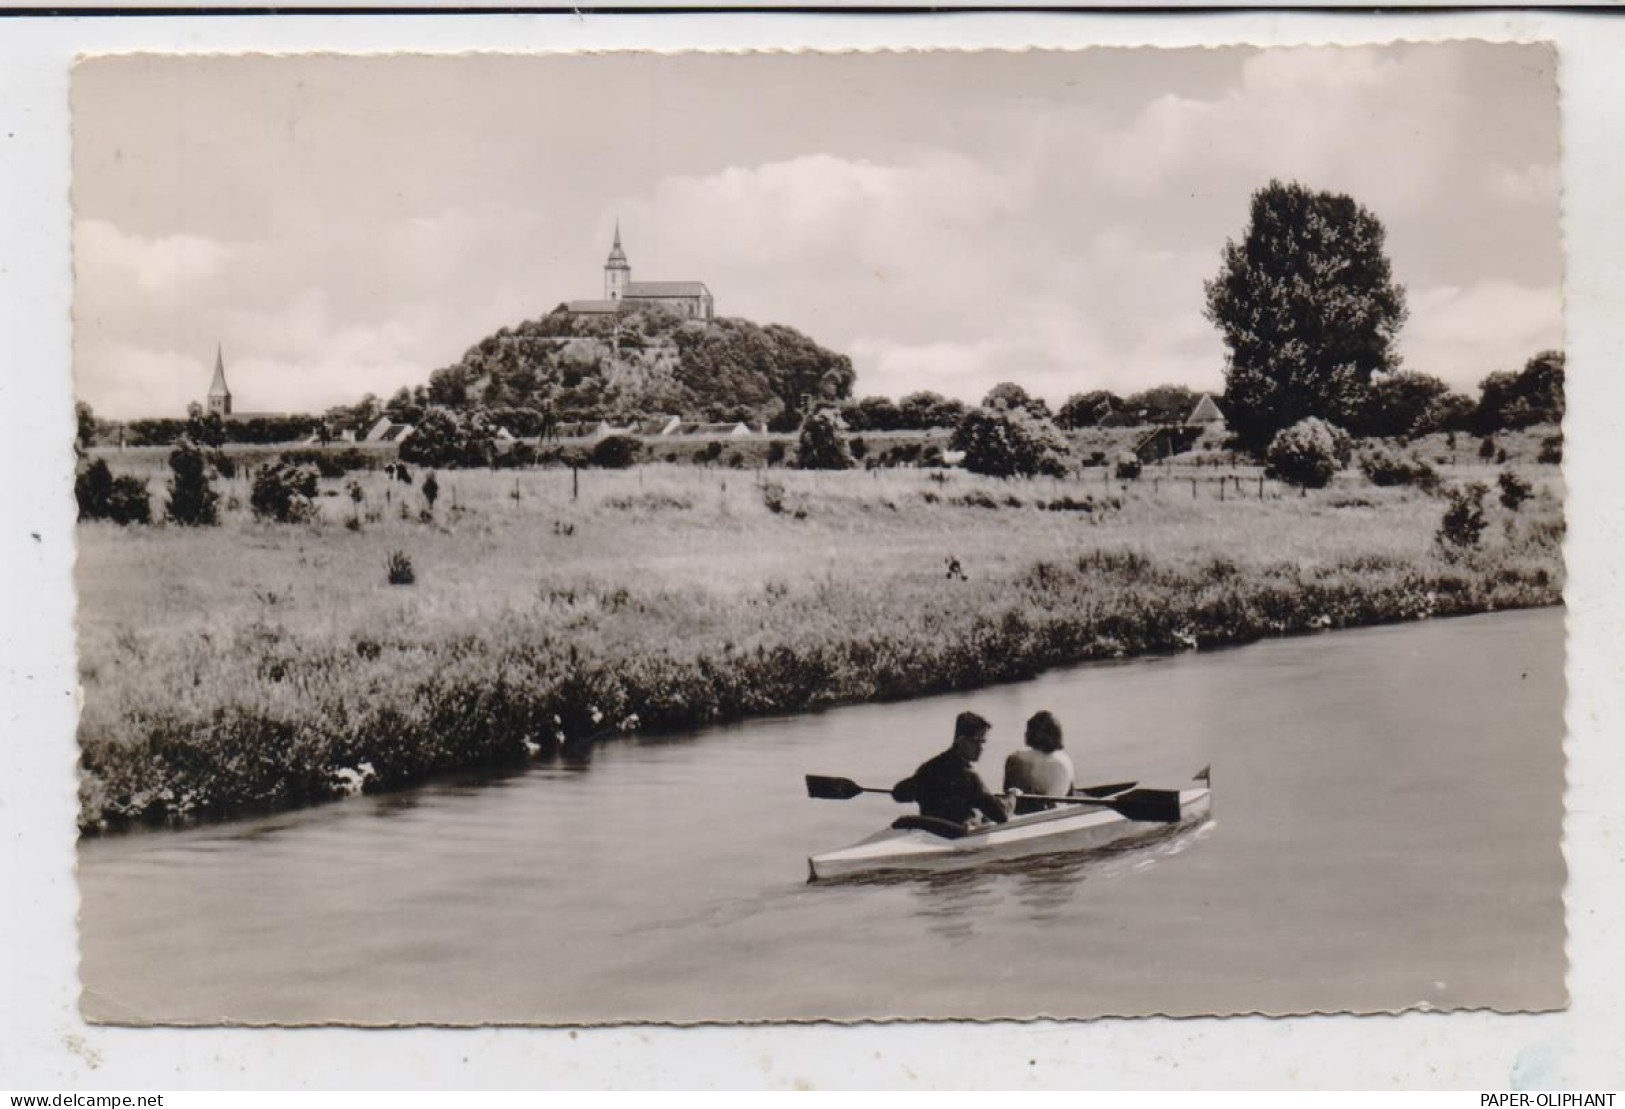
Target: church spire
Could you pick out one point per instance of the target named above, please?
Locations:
(219, 395)
(617, 271)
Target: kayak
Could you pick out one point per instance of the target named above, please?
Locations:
(1065, 828)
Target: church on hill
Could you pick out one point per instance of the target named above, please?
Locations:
(686, 298)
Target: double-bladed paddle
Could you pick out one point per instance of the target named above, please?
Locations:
(1155, 805)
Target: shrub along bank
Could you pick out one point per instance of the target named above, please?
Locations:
(270, 720)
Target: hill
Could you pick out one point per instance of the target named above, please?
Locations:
(643, 362)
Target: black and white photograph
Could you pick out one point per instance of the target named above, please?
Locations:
(634, 537)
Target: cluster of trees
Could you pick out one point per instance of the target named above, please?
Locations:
(645, 362)
(1161, 404)
(202, 428)
(922, 411)
(445, 438)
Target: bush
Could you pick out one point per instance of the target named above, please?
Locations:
(820, 446)
(1128, 466)
(329, 464)
(1308, 453)
(91, 488)
(773, 497)
(614, 452)
(1533, 395)
(284, 494)
(399, 567)
(1514, 490)
(1551, 450)
(192, 500)
(1487, 449)
(101, 496)
(431, 489)
(128, 501)
(1010, 442)
(445, 439)
(775, 452)
(1463, 523)
(1386, 466)
(224, 465)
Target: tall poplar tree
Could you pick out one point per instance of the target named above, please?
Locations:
(1308, 308)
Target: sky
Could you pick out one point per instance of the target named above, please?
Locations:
(344, 225)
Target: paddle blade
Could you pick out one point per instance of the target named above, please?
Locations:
(831, 789)
(1155, 805)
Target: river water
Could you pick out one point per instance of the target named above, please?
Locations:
(1386, 834)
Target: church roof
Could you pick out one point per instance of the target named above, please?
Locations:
(667, 289)
(217, 388)
(587, 307)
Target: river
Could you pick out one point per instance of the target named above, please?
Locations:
(1386, 834)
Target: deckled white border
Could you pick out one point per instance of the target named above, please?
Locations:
(44, 1044)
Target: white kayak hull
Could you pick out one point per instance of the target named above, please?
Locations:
(1065, 828)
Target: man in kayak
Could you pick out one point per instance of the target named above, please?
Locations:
(1040, 767)
(946, 788)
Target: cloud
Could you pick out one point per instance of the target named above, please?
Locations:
(1463, 334)
(164, 266)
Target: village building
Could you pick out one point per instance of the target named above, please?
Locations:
(1204, 424)
(1205, 412)
(690, 299)
(387, 430)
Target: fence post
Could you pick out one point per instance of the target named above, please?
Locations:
(1260, 486)
(1193, 489)
(1221, 489)
(575, 482)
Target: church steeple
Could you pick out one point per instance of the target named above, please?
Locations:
(219, 395)
(617, 271)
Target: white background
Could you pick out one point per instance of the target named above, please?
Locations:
(45, 1047)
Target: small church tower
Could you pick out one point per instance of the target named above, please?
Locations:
(617, 271)
(219, 395)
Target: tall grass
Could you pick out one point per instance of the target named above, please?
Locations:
(259, 665)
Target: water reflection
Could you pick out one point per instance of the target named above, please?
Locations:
(951, 903)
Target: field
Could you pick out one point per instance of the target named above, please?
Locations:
(257, 665)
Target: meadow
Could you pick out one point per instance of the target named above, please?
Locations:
(256, 665)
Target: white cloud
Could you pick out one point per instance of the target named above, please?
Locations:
(161, 266)
(1462, 334)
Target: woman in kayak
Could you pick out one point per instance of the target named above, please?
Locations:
(946, 788)
(1040, 767)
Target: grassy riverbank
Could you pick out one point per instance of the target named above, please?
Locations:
(256, 665)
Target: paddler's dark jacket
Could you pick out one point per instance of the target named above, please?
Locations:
(947, 788)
